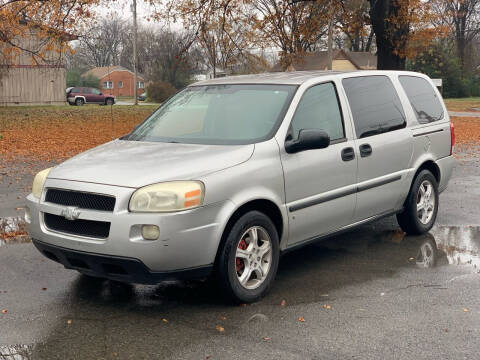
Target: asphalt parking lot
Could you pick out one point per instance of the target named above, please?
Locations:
(371, 293)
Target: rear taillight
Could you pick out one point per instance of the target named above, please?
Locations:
(452, 138)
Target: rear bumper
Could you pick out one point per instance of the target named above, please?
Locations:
(446, 165)
(117, 268)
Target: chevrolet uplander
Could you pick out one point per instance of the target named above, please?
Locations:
(230, 173)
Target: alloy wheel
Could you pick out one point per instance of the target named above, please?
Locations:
(253, 257)
(425, 202)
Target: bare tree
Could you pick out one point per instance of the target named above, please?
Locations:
(102, 44)
(464, 18)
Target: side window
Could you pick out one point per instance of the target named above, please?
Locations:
(95, 91)
(87, 91)
(423, 98)
(375, 105)
(75, 91)
(319, 109)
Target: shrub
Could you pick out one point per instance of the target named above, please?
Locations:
(74, 78)
(159, 91)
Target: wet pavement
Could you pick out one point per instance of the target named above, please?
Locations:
(372, 293)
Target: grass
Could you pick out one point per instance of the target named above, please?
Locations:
(463, 104)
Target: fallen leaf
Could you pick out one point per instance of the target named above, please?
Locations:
(44, 289)
(164, 320)
(382, 294)
(243, 305)
(223, 318)
(69, 322)
(301, 319)
(4, 311)
(220, 328)
(411, 259)
(328, 307)
(465, 310)
(266, 339)
(283, 303)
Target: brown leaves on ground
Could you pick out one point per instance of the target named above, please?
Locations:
(467, 129)
(301, 319)
(54, 133)
(467, 135)
(220, 328)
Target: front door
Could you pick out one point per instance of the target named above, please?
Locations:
(384, 144)
(320, 183)
(96, 96)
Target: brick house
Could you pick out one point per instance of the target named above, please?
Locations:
(117, 80)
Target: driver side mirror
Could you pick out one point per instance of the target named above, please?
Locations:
(308, 139)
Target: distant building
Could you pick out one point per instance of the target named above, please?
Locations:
(117, 80)
(341, 60)
(25, 82)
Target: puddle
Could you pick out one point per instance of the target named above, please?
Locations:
(16, 352)
(17, 239)
(443, 245)
(13, 230)
(461, 244)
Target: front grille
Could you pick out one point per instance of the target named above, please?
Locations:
(90, 228)
(80, 199)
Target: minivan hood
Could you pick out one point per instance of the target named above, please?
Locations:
(136, 164)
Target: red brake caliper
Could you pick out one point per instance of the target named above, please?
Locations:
(239, 262)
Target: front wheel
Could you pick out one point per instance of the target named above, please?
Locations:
(248, 259)
(79, 102)
(421, 206)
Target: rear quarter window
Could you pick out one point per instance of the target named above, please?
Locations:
(375, 105)
(422, 97)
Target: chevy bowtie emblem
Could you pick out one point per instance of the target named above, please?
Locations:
(70, 213)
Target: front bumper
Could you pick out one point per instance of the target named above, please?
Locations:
(117, 268)
(188, 239)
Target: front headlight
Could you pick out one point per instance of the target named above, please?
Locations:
(39, 181)
(168, 196)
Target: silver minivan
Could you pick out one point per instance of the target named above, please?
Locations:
(230, 173)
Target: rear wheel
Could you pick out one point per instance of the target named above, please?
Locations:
(421, 206)
(79, 102)
(248, 259)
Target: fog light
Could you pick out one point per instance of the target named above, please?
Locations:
(28, 217)
(150, 232)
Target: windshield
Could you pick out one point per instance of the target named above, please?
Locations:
(218, 114)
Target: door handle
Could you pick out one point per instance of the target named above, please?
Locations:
(365, 150)
(348, 154)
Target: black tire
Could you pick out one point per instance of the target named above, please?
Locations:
(409, 219)
(79, 102)
(226, 267)
(109, 101)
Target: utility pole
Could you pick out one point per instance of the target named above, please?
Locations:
(135, 81)
(330, 36)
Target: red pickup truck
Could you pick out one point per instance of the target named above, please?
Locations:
(84, 95)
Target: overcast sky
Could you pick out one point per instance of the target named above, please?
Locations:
(122, 9)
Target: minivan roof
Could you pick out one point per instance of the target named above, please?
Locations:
(293, 77)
